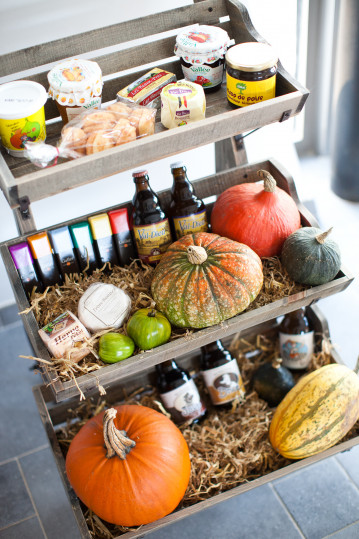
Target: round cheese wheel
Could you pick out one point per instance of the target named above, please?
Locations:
(103, 306)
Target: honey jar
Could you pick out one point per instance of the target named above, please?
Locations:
(251, 73)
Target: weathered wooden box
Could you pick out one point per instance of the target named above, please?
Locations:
(53, 415)
(205, 188)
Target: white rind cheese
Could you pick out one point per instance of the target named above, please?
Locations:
(103, 306)
(182, 102)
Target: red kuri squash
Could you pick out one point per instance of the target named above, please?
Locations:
(203, 279)
(130, 465)
(260, 216)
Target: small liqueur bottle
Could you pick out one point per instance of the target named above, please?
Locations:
(122, 235)
(187, 212)
(24, 264)
(221, 374)
(150, 224)
(104, 245)
(63, 248)
(83, 245)
(179, 393)
(296, 340)
(44, 261)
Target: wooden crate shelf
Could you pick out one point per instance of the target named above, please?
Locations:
(205, 187)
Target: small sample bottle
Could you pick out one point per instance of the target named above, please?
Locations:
(44, 261)
(103, 241)
(296, 340)
(83, 245)
(63, 248)
(151, 227)
(24, 264)
(179, 393)
(122, 235)
(221, 374)
(187, 212)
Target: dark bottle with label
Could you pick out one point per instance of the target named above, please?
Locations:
(150, 225)
(187, 212)
(179, 393)
(296, 340)
(221, 374)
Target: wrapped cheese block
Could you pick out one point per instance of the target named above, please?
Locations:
(103, 306)
(182, 102)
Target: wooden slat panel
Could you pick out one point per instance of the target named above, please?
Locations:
(207, 12)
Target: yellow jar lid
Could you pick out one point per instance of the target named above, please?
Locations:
(251, 57)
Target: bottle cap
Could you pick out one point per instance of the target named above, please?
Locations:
(178, 164)
(139, 173)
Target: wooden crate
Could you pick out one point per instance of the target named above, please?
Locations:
(53, 415)
(21, 181)
(205, 188)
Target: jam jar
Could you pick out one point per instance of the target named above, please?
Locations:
(202, 50)
(251, 73)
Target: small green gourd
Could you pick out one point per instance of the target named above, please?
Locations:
(272, 382)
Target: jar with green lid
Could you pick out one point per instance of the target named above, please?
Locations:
(251, 73)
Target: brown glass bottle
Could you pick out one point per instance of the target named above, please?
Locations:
(187, 212)
(179, 393)
(151, 227)
(296, 340)
(221, 374)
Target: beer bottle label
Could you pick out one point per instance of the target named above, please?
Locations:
(152, 240)
(296, 350)
(189, 224)
(224, 383)
(184, 402)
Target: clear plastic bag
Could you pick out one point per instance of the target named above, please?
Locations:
(94, 131)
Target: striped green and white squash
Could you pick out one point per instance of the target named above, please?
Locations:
(318, 412)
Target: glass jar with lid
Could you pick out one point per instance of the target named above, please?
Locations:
(202, 49)
(251, 73)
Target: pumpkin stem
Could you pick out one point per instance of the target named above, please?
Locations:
(323, 236)
(270, 184)
(196, 254)
(356, 368)
(116, 441)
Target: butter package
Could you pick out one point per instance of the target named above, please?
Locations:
(147, 89)
(65, 336)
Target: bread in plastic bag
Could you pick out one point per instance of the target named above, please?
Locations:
(94, 131)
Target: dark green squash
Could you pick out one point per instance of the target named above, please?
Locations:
(310, 257)
(272, 382)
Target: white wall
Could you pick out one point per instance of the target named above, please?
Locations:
(27, 23)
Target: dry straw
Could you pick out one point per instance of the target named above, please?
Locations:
(136, 281)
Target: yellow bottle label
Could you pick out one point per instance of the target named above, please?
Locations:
(152, 240)
(189, 224)
(244, 93)
(15, 133)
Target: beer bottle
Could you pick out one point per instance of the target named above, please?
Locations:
(151, 228)
(221, 374)
(296, 340)
(186, 211)
(179, 393)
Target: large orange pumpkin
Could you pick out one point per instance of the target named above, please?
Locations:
(130, 465)
(261, 216)
(203, 279)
